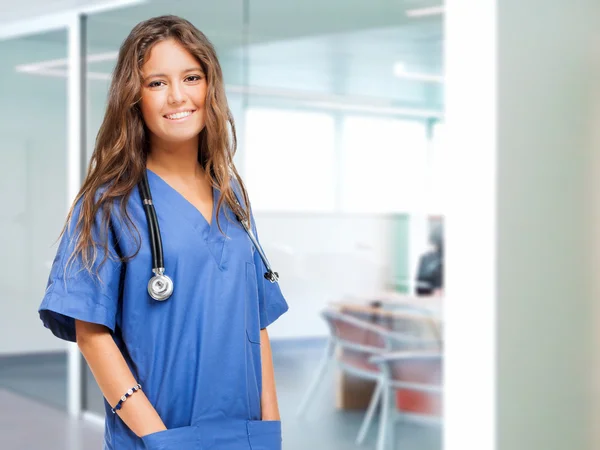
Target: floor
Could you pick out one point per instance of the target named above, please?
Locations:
(32, 404)
(26, 424)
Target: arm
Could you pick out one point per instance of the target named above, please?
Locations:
(268, 400)
(114, 378)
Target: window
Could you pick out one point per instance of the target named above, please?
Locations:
(436, 193)
(384, 162)
(290, 160)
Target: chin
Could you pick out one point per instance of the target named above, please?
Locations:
(183, 136)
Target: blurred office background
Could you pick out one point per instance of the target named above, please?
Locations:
(343, 145)
(338, 107)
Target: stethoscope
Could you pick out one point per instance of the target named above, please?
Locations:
(160, 286)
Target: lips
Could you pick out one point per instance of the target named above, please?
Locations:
(180, 115)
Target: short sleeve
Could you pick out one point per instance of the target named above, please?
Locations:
(271, 301)
(72, 292)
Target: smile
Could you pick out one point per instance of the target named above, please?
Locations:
(180, 115)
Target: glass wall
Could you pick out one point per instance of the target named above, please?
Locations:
(33, 186)
(342, 98)
(337, 107)
(342, 101)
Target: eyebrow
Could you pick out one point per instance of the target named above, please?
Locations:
(193, 69)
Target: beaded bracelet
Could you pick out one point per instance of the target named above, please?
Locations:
(129, 393)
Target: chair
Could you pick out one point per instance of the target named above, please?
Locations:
(404, 374)
(358, 334)
(411, 320)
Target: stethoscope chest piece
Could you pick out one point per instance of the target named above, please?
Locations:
(160, 286)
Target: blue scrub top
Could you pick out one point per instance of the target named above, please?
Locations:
(197, 354)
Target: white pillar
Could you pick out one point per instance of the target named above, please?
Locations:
(76, 166)
(521, 79)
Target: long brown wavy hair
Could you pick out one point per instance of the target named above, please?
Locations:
(122, 144)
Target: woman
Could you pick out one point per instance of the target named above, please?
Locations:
(430, 273)
(193, 369)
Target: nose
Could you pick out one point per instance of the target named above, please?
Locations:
(176, 94)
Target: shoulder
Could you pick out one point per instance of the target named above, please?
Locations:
(99, 207)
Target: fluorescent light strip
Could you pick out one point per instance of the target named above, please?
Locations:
(300, 95)
(63, 62)
(390, 110)
(58, 73)
(400, 71)
(429, 78)
(426, 12)
(39, 66)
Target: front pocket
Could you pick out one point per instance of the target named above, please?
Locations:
(252, 305)
(264, 434)
(253, 355)
(183, 438)
(253, 379)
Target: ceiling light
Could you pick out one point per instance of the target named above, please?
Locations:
(54, 63)
(399, 69)
(425, 12)
(401, 72)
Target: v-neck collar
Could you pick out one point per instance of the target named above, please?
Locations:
(175, 206)
(184, 207)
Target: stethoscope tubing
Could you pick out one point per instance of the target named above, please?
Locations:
(160, 286)
(269, 274)
(153, 227)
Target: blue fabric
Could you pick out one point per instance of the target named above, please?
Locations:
(219, 435)
(197, 354)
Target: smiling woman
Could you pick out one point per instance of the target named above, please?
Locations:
(174, 89)
(191, 370)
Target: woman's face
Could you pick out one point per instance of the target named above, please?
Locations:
(173, 93)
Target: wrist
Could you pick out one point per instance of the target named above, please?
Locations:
(152, 430)
(271, 417)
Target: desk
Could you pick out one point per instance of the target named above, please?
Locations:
(391, 300)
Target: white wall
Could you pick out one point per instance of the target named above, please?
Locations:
(323, 258)
(521, 308)
(594, 261)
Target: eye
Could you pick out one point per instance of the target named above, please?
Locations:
(195, 77)
(154, 84)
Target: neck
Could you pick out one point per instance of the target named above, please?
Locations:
(179, 160)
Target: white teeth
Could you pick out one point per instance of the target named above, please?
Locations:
(180, 115)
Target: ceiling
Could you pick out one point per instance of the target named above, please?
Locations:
(334, 47)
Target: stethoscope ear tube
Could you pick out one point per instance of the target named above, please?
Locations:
(270, 275)
(152, 221)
